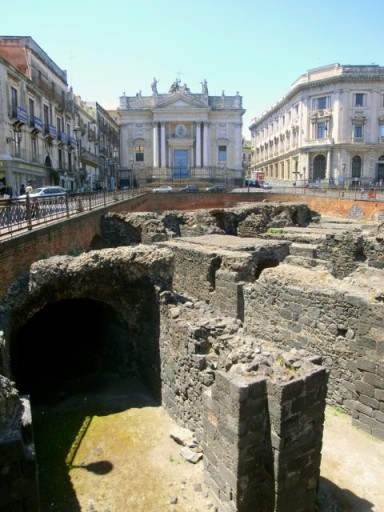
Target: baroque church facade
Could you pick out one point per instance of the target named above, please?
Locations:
(180, 134)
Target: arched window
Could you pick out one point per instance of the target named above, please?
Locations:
(356, 167)
(380, 170)
(319, 167)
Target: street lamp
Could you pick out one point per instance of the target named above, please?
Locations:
(115, 154)
(77, 132)
(131, 174)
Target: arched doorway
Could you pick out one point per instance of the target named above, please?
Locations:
(319, 168)
(356, 171)
(48, 161)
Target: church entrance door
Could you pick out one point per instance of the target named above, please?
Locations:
(180, 163)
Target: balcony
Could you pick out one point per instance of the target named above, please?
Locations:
(36, 125)
(49, 131)
(89, 158)
(19, 116)
(63, 138)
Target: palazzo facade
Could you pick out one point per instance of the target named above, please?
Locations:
(329, 127)
(179, 134)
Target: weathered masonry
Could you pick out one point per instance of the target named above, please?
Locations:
(229, 316)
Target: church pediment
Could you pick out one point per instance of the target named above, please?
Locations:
(179, 101)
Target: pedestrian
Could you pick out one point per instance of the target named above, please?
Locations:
(28, 188)
(22, 189)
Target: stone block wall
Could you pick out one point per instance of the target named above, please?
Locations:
(337, 321)
(368, 407)
(305, 310)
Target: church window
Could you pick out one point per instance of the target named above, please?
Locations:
(139, 153)
(222, 153)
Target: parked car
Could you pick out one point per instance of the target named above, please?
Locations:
(163, 189)
(216, 188)
(190, 188)
(250, 182)
(266, 186)
(45, 193)
(313, 185)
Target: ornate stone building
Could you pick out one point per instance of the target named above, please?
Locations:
(328, 127)
(48, 135)
(180, 134)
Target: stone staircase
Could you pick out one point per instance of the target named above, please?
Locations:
(305, 255)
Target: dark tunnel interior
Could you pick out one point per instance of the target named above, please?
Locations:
(69, 346)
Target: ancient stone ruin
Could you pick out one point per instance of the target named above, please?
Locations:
(243, 322)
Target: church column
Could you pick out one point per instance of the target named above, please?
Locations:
(238, 150)
(198, 144)
(155, 145)
(162, 142)
(205, 144)
(328, 169)
(192, 157)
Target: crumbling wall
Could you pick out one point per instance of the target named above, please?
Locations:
(246, 220)
(19, 483)
(257, 410)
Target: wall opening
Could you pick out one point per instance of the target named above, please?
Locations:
(71, 344)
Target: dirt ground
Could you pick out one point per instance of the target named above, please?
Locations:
(121, 458)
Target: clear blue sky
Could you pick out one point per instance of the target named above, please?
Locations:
(256, 47)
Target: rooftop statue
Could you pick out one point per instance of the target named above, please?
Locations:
(154, 86)
(175, 86)
(204, 87)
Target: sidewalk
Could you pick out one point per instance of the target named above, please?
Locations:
(352, 467)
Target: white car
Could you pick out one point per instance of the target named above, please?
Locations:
(163, 188)
(266, 186)
(45, 193)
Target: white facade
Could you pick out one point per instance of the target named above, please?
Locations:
(180, 134)
(328, 127)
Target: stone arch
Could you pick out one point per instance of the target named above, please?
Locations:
(114, 292)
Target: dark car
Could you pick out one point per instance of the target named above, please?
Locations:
(190, 188)
(250, 182)
(216, 188)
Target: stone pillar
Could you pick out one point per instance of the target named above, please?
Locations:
(163, 160)
(205, 145)
(155, 145)
(296, 411)
(198, 144)
(262, 437)
(237, 446)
